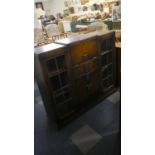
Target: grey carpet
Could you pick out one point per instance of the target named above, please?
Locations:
(102, 121)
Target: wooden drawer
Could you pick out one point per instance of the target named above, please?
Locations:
(83, 51)
(84, 68)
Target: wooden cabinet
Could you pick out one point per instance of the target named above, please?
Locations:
(74, 74)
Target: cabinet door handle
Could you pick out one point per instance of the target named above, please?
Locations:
(85, 56)
(95, 59)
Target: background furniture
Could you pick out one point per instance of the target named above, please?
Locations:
(75, 74)
(39, 37)
(54, 33)
(116, 25)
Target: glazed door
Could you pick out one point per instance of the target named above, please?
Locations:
(59, 83)
(107, 61)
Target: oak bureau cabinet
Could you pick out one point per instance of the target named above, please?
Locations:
(74, 74)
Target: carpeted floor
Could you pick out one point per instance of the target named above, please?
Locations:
(94, 133)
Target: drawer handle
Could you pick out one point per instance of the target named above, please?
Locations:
(85, 56)
(76, 66)
(94, 59)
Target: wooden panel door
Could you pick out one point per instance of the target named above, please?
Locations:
(87, 81)
(83, 50)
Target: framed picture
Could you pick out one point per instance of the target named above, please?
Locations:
(79, 9)
(116, 13)
(71, 10)
(39, 5)
(66, 3)
(85, 8)
(66, 12)
(83, 2)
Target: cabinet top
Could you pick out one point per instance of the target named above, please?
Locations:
(82, 37)
(47, 48)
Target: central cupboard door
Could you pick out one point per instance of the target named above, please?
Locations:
(87, 87)
(85, 68)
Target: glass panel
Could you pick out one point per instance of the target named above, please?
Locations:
(108, 82)
(67, 93)
(63, 77)
(107, 44)
(59, 99)
(61, 62)
(103, 60)
(55, 82)
(109, 57)
(110, 69)
(51, 65)
(103, 46)
(105, 73)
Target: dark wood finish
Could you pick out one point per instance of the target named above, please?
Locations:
(76, 73)
(107, 61)
(83, 51)
(118, 60)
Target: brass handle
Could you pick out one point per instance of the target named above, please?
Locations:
(85, 56)
(76, 66)
(95, 59)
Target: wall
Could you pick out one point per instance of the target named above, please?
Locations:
(56, 6)
(52, 6)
